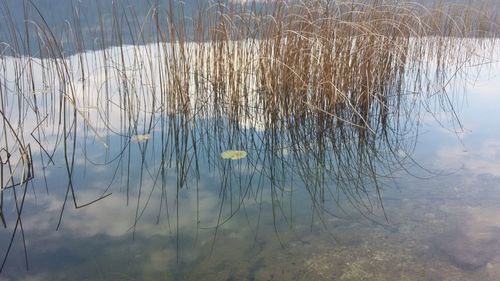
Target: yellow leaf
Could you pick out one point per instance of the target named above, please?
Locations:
(233, 154)
(140, 138)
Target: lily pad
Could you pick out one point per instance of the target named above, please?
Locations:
(233, 154)
(140, 138)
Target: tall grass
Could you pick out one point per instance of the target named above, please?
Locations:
(325, 90)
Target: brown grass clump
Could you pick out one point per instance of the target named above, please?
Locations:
(323, 90)
(312, 70)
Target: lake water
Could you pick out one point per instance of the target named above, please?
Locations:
(276, 214)
(147, 196)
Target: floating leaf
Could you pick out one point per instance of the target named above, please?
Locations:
(233, 154)
(140, 138)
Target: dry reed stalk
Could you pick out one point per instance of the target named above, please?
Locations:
(321, 87)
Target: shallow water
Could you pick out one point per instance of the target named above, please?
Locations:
(170, 208)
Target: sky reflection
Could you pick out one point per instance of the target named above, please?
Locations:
(176, 207)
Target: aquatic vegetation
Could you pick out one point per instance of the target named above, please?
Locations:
(140, 138)
(233, 154)
(327, 91)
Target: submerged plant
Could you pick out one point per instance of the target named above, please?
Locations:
(327, 93)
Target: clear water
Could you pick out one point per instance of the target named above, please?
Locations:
(171, 209)
(258, 219)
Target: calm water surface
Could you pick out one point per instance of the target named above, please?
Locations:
(419, 203)
(268, 216)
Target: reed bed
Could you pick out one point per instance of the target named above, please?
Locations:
(327, 91)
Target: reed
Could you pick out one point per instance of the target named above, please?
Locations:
(323, 90)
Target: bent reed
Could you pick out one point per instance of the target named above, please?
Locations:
(329, 88)
(330, 60)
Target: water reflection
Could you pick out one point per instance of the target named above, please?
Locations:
(313, 201)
